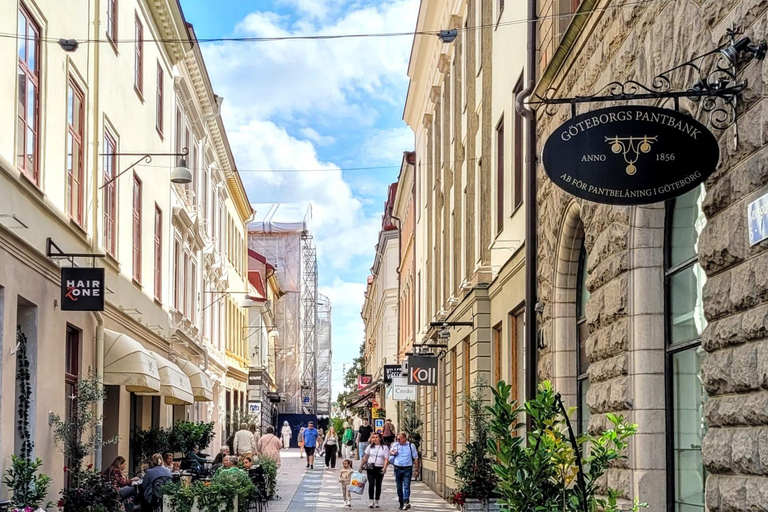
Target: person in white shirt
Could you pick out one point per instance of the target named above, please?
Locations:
(375, 462)
(286, 435)
(243, 443)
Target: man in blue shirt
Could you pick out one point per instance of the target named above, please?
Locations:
(404, 456)
(310, 443)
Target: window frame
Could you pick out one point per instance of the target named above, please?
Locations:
(136, 238)
(159, 100)
(110, 193)
(670, 351)
(75, 177)
(138, 57)
(518, 150)
(31, 76)
(499, 133)
(177, 274)
(581, 378)
(111, 31)
(158, 253)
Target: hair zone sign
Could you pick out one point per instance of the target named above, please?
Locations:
(82, 289)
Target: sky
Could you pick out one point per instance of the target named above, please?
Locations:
(323, 105)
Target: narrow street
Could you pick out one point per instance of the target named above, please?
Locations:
(301, 489)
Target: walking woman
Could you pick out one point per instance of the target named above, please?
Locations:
(347, 442)
(330, 446)
(375, 463)
(301, 442)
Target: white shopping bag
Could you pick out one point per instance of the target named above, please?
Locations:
(357, 484)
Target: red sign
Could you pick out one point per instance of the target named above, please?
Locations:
(364, 381)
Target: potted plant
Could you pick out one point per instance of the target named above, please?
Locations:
(546, 472)
(29, 488)
(474, 466)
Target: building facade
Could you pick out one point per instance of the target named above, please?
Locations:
(73, 171)
(380, 308)
(404, 213)
(657, 312)
(469, 220)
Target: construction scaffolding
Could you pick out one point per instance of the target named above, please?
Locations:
(280, 232)
(324, 355)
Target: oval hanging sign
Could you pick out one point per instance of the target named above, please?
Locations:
(630, 155)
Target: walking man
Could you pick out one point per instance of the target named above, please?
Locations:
(310, 443)
(243, 441)
(363, 434)
(405, 458)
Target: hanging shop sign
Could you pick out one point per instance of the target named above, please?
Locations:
(757, 219)
(364, 380)
(401, 391)
(422, 370)
(630, 155)
(392, 370)
(254, 378)
(254, 408)
(82, 289)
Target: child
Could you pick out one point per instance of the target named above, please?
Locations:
(345, 477)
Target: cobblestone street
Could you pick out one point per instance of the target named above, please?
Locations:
(302, 489)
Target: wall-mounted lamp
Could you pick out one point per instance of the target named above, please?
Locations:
(448, 36)
(68, 45)
(181, 174)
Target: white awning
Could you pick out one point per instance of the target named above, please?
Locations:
(127, 363)
(202, 387)
(174, 384)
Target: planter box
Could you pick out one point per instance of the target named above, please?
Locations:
(167, 506)
(475, 505)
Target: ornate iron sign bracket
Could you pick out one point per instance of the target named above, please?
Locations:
(715, 77)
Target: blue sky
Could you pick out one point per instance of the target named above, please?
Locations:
(320, 104)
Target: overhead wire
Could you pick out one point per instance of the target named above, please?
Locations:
(311, 37)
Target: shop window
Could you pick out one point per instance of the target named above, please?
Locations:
(684, 311)
(582, 333)
(28, 98)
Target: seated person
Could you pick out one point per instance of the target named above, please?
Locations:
(169, 462)
(115, 473)
(157, 471)
(223, 452)
(229, 464)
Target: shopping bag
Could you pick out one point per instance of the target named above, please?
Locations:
(357, 484)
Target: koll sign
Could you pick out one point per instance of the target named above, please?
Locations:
(630, 155)
(82, 289)
(422, 370)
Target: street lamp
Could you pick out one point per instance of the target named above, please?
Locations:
(181, 174)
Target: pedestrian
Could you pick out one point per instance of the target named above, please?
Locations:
(345, 478)
(256, 435)
(388, 433)
(310, 443)
(243, 443)
(269, 445)
(301, 442)
(405, 458)
(320, 441)
(357, 422)
(347, 442)
(330, 445)
(375, 462)
(286, 435)
(363, 435)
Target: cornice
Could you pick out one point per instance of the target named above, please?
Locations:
(172, 28)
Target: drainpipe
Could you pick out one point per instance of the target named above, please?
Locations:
(99, 429)
(531, 242)
(398, 269)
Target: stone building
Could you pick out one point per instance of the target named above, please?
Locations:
(658, 312)
(469, 220)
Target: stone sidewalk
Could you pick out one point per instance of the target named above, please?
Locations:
(302, 489)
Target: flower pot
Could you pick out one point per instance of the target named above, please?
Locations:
(493, 505)
(473, 505)
(195, 508)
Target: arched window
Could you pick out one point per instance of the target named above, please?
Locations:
(684, 312)
(582, 333)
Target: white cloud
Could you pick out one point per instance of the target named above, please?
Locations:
(387, 145)
(325, 77)
(320, 140)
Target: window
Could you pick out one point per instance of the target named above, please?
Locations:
(138, 57)
(516, 345)
(684, 280)
(159, 114)
(496, 376)
(176, 273)
(582, 333)
(110, 193)
(71, 376)
(179, 130)
(517, 151)
(75, 137)
(193, 293)
(158, 253)
(467, 390)
(28, 122)
(500, 176)
(185, 304)
(454, 399)
(112, 20)
(136, 228)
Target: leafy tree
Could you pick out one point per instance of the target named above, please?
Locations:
(350, 379)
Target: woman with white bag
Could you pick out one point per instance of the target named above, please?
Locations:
(375, 463)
